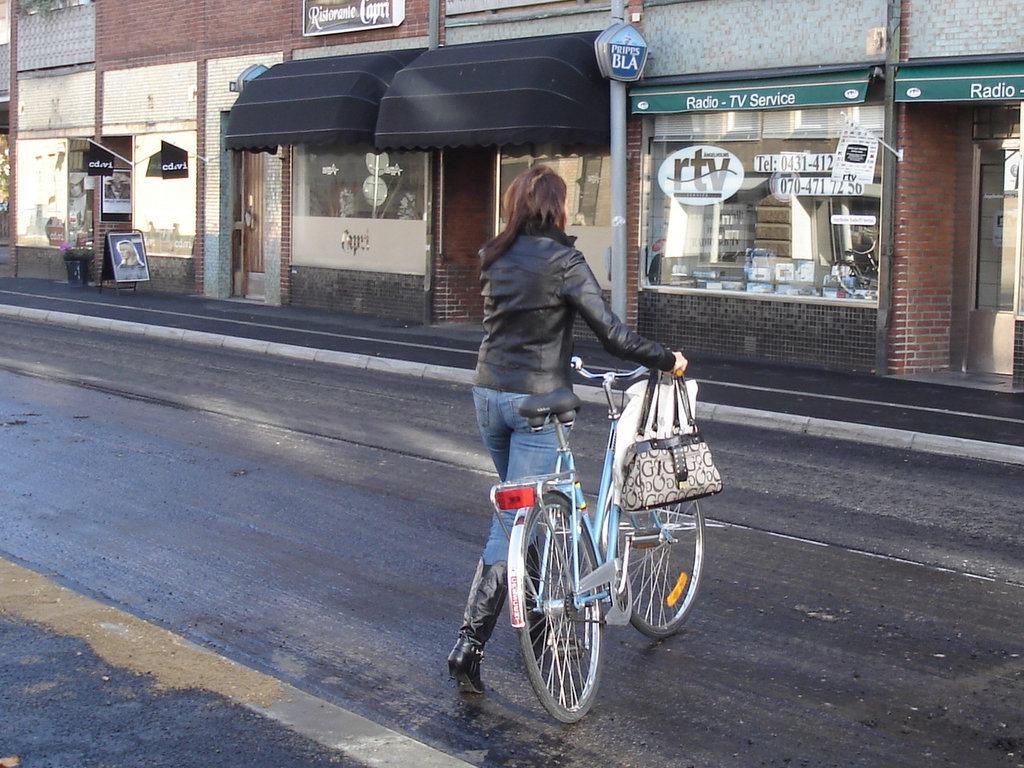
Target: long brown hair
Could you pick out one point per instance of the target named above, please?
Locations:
(536, 200)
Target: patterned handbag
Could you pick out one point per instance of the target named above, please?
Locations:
(667, 463)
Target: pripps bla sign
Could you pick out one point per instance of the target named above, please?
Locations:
(621, 52)
(327, 17)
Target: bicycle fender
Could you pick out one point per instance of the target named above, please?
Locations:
(517, 571)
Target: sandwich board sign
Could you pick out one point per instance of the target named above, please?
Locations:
(125, 259)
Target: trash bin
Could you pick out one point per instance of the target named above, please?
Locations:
(78, 268)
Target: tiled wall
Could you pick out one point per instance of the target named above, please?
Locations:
(59, 38)
(366, 293)
(216, 251)
(964, 28)
(171, 274)
(1018, 354)
(840, 336)
(174, 275)
(5, 70)
(731, 35)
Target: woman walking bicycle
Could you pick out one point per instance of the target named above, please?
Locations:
(534, 285)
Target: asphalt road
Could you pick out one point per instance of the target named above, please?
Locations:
(862, 605)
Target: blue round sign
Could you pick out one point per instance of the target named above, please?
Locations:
(621, 52)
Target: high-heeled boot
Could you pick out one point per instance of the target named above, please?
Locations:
(486, 598)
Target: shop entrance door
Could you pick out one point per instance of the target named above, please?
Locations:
(248, 277)
(990, 324)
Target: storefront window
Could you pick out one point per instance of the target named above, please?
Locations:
(80, 196)
(42, 184)
(163, 200)
(355, 208)
(747, 202)
(588, 181)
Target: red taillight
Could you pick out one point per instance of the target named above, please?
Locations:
(515, 498)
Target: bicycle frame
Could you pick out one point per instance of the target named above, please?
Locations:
(607, 581)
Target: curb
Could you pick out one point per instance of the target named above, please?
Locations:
(174, 662)
(862, 433)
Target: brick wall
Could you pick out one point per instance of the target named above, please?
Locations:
(930, 204)
(162, 94)
(634, 193)
(159, 62)
(467, 197)
(142, 32)
(68, 101)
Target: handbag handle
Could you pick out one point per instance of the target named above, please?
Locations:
(682, 394)
(651, 419)
(652, 382)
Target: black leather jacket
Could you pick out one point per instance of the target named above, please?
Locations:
(532, 293)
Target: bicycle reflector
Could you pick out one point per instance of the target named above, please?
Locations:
(515, 498)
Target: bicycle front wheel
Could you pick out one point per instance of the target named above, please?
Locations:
(561, 642)
(666, 560)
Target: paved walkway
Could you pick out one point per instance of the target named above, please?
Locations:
(943, 414)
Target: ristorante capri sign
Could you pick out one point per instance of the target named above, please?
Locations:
(327, 17)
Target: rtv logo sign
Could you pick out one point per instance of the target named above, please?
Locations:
(701, 175)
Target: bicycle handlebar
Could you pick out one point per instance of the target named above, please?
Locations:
(610, 377)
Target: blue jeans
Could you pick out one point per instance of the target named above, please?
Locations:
(515, 450)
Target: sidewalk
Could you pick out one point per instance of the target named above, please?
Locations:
(946, 413)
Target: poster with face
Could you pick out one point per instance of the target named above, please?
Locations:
(127, 253)
(117, 193)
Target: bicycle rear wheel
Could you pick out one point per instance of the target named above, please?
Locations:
(561, 642)
(666, 561)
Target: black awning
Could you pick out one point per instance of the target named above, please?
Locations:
(314, 101)
(507, 92)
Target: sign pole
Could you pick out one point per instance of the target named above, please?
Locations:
(618, 162)
(617, 128)
(621, 54)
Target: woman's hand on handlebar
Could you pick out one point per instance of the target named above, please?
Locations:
(681, 363)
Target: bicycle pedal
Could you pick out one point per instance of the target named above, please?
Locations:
(645, 539)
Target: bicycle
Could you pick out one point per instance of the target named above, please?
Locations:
(572, 572)
(858, 267)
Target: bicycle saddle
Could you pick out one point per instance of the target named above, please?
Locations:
(562, 404)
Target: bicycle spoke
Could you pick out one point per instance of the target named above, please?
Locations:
(665, 566)
(561, 643)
